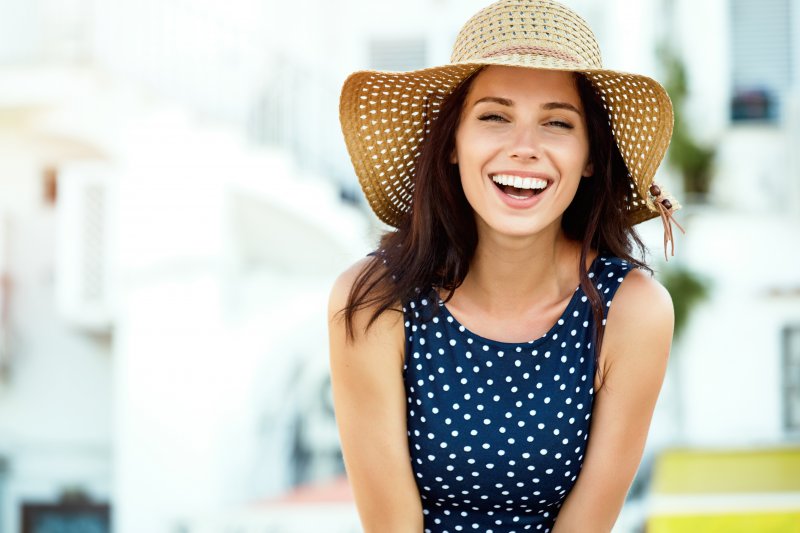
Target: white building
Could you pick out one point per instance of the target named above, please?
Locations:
(739, 346)
(166, 306)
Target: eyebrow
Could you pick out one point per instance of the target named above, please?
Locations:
(547, 107)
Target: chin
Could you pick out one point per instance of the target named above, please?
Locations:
(520, 228)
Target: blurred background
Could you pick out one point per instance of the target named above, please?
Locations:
(176, 201)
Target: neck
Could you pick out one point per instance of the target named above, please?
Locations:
(507, 274)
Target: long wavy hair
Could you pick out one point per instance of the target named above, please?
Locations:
(435, 242)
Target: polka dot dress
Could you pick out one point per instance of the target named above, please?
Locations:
(497, 431)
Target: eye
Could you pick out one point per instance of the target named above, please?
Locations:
(492, 117)
(560, 124)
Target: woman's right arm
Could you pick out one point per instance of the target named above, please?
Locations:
(370, 403)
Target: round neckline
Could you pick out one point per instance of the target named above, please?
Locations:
(573, 301)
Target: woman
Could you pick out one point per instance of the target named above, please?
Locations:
(474, 353)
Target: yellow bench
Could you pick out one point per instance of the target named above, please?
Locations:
(726, 491)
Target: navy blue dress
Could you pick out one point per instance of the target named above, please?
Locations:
(497, 431)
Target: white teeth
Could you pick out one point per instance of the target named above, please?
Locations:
(518, 182)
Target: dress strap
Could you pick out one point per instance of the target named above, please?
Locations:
(607, 275)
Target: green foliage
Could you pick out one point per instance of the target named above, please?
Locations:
(693, 160)
(687, 290)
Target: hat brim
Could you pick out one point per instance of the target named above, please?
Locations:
(384, 116)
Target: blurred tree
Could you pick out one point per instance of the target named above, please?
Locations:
(692, 159)
(687, 290)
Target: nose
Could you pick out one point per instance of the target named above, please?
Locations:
(524, 143)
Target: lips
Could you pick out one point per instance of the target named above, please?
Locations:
(520, 187)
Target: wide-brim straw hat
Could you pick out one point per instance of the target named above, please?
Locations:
(384, 115)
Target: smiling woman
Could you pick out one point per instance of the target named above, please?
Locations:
(481, 381)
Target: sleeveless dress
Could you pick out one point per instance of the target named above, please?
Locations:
(497, 431)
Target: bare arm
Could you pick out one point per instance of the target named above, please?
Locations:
(370, 403)
(634, 357)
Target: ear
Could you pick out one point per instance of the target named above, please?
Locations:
(588, 171)
(454, 157)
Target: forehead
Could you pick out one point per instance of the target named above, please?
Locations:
(519, 83)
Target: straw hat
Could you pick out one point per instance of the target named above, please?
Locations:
(384, 114)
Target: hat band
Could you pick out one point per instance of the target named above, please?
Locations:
(533, 50)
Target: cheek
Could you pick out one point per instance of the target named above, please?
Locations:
(468, 183)
(467, 159)
(472, 151)
(575, 157)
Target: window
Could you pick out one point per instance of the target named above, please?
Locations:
(791, 378)
(761, 58)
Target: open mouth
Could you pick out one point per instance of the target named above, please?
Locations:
(518, 187)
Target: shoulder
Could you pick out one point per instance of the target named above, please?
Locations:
(640, 322)
(366, 356)
(340, 292)
(641, 297)
(387, 325)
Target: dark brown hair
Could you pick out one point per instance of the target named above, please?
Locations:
(436, 240)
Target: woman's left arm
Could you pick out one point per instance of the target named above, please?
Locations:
(633, 360)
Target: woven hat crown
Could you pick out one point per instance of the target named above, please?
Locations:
(539, 33)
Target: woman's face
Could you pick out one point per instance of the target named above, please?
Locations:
(522, 148)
